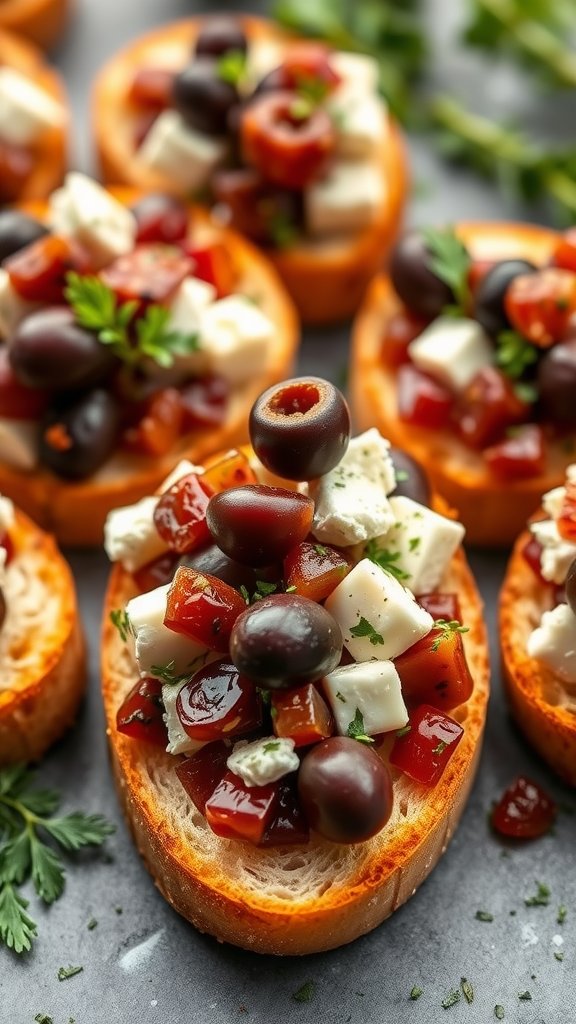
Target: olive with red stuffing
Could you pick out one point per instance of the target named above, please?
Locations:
(78, 434)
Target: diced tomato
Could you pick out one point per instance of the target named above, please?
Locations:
(205, 402)
(255, 206)
(565, 253)
(143, 124)
(159, 428)
(520, 456)
(150, 273)
(307, 69)
(434, 671)
(201, 773)
(140, 714)
(424, 749)
(156, 573)
(525, 811)
(487, 407)
(288, 139)
(217, 702)
(18, 402)
(237, 811)
(202, 607)
(422, 401)
(152, 88)
(16, 163)
(541, 305)
(301, 715)
(441, 606)
(234, 470)
(289, 826)
(315, 570)
(532, 553)
(38, 271)
(401, 329)
(566, 522)
(214, 264)
(180, 515)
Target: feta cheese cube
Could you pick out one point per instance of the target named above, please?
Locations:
(371, 687)
(553, 500)
(84, 210)
(179, 742)
(19, 443)
(424, 540)
(452, 350)
(357, 70)
(175, 149)
(263, 761)
(553, 643)
(235, 337)
(557, 553)
(155, 644)
(191, 299)
(13, 308)
(378, 617)
(360, 120)
(26, 110)
(347, 199)
(130, 536)
(351, 503)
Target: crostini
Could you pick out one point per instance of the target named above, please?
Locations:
(42, 655)
(288, 137)
(41, 21)
(136, 333)
(33, 121)
(356, 769)
(538, 629)
(464, 357)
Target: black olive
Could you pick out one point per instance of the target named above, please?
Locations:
(203, 98)
(220, 35)
(556, 383)
(417, 285)
(78, 435)
(17, 230)
(489, 299)
(411, 478)
(50, 350)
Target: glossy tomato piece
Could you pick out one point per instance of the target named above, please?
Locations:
(565, 253)
(541, 305)
(161, 217)
(525, 811)
(38, 272)
(520, 456)
(150, 273)
(268, 214)
(441, 606)
(301, 715)
(289, 826)
(140, 714)
(215, 265)
(434, 671)
(315, 570)
(307, 69)
(566, 521)
(218, 702)
(234, 470)
(16, 163)
(237, 811)
(205, 402)
(156, 573)
(209, 559)
(159, 428)
(402, 328)
(422, 401)
(423, 751)
(152, 88)
(18, 402)
(180, 515)
(203, 608)
(487, 407)
(201, 773)
(257, 524)
(286, 138)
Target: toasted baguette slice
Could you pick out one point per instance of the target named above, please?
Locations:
(326, 279)
(289, 900)
(40, 21)
(42, 653)
(543, 706)
(75, 512)
(457, 471)
(50, 153)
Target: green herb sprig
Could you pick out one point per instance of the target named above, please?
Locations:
(365, 629)
(387, 560)
(447, 626)
(356, 729)
(450, 261)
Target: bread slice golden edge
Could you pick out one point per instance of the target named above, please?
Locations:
(543, 707)
(42, 651)
(290, 900)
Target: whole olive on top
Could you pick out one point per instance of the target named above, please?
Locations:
(417, 285)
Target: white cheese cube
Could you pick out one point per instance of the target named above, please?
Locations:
(183, 468)
(378, 617)
(424, 540)
(557, 553)
(553, 643)
(84, 210)
(26, 110)
(13, 308)
(235, 337)
(360, 121)
(130, 536)
(357, 70)
(191, 299)
(263, 761)
(19, 443)
(179, 742)
(157, 646)
(452, 350)
(347, 199)
(553, 500)
(176, 150)
(371, 687)
(351, 503)
(6, 514)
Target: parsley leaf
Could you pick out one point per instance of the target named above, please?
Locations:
(450, 261)
(305, 993)
(416, 992)
(386, 559)
(499, 1012)
(447, 626)
(451, 999)
(541, 898)
(365, 628)
(484, 915)
(467, 990)
(167, 674)
(68, 972)
(119, 618)
(231, 66)
(514, 354)
(356, 729)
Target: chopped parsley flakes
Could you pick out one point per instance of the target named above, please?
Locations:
(366, 629)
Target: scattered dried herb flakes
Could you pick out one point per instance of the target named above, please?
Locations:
(559, 954)
(562, 911)
(416, 992)
(92, 923)
(484, 915)
(304, 994)
(43, 1018)
(499, 1012)
(467, 990)
(541, 897)
(525, 996)
(451, 999)
(68, 972)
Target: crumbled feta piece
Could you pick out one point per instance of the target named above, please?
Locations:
(553, 500)
(13, 308)
(553, 643)
(191, 299)
(6, 514)
(378, 617)
(175, 149)
(424, 541)
(179, 742)
(360, 120)
(130, 535)
(452, 350)
(183, 468)
(347, 199)
(19, 443)
(371, 687)
(357, 70)
(84, 210)
(26, 110)
(235, 337)
(156, 646)
(351, 503)
(557, 553)
(263, 761)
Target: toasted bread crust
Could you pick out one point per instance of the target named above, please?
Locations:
(289, 900)
(40, 21)
(457, 471)
(42, 651)
(544, 707)
(75, 512)
(326, 279)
